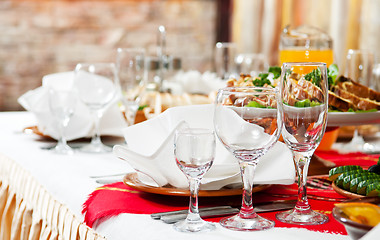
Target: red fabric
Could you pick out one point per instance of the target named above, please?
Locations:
(117, 198)
(357, 158)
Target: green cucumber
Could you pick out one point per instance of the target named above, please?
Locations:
(335, 172)
(373, 190)
(339, 180)
(362, 186)
(346, 183)
(354, 182)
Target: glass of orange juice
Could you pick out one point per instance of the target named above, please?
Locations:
(306, 43)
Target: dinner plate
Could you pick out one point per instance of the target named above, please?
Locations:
(345, 192)
(336, 119)
(132, 180)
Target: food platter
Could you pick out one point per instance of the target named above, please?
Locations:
(132, 180)
(336, 119)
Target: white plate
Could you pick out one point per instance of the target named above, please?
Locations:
(336, 119)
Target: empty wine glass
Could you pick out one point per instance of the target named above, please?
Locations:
(130, 68)
(225, 54)
(97, 87)
(304, 111)
(62, 103)
(248, 123)
(194, 150)
(359, 65)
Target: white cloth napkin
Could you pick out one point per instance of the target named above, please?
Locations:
(200, 83)
(150, 150)
(81, 124)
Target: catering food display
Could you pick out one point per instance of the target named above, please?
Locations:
(345, 95)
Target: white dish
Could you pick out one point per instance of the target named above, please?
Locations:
(336, 119)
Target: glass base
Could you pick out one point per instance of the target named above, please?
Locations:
(194, 226)
(254, 223)
(96, 148)
(63, 149)
(307, 217)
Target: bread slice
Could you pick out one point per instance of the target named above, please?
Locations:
(360, 103)
(357, 89)
(338, 103)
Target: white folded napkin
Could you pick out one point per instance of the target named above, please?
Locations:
(150, 150)
(200, 83)
(81, 124)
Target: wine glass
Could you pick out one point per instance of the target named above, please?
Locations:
(194, 151)
(225, 54)
(359, 65)
(247, 122)
(62, 103)
(304, 97)
(130, 69)
(97, 86)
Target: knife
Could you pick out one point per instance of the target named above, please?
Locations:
(172, 217)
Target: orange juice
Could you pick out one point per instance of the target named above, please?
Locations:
(306, 55)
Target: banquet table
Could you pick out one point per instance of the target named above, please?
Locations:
(42, 195)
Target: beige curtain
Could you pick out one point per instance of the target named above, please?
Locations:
(29, 212)
(257, 24)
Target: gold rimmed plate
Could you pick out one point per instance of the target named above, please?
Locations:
(132, 180)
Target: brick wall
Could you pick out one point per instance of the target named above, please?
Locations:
(38, 37)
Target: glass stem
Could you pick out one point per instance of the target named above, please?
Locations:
(193, 214)
(302, 161)
(247, 173)
(96, 138)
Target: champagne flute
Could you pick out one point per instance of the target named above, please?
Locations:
(62, 103)
(97, 87)
(130, 68)
(247, 122)
(304, 97)
(194, 150)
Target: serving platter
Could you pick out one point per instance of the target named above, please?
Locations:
(337, 119)
(132, 180)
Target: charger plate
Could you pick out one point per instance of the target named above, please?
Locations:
(132, 180)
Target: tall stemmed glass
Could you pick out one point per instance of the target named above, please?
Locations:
(62, 103)
(304, 104)
(359, 67)
(194, 150)
(130, 67)
(97, 86)
(248, 123)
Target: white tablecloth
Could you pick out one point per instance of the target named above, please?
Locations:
(66, 179)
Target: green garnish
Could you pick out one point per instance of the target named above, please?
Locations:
(314, 76)
(362, 111)
(306, 103)
(256, 105)
(262, 80)
(276, 71)
(142, 107)
(332, 73)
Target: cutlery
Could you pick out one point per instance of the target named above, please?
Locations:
(175, 216)
(108, 175)
(158, 216)
(108, 181)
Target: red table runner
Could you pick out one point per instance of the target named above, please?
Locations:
(356, 158)
(113, 199)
